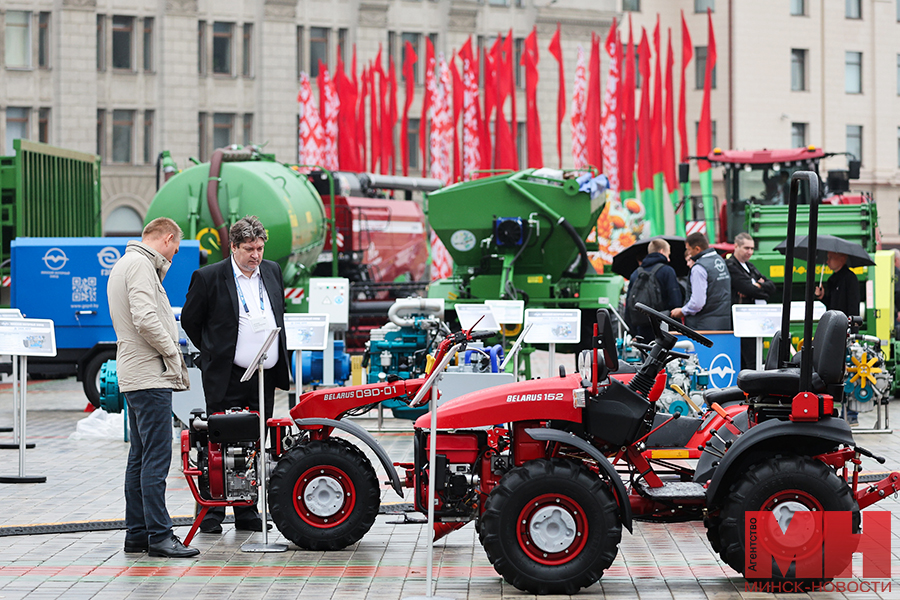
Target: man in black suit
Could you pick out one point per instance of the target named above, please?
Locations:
(748, 286)
(230, 309)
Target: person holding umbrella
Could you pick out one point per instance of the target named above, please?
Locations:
(841, 291)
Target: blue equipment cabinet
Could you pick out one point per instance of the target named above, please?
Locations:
(64, 279)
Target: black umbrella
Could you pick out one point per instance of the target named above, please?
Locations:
(856, 254)
(625, 262)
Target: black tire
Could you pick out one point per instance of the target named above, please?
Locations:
(526, 498)
(334, 523)
(91, 380)
(796, 479)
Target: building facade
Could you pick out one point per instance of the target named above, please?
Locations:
(129, 78)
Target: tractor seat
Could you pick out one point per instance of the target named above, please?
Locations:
(829, 347)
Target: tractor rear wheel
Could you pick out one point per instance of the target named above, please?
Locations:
(551, 527)
(324, 495)
(784, 485)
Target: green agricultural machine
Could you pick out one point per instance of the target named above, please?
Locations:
(206, 199)
(521, 236)
(46, 192)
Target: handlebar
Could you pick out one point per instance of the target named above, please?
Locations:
(656, 316)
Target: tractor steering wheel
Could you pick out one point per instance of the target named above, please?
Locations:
(656, 317)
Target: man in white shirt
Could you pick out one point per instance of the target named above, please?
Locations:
(230, 309)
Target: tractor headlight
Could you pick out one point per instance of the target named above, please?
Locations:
(586, 365)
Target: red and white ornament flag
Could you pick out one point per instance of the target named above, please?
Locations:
(579, 114)
(471, 113)
(441, 125)
(610, 127)
(331, 110)
(311, 133)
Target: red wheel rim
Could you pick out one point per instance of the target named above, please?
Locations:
(802, 538)
(569, 511)
(334, 479)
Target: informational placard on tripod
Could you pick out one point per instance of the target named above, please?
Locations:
(22, 338)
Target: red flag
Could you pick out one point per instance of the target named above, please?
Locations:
(704, 131)
(490, 101)
(687, 53)
(626, 166)
(611, 118)
(426, 103)
(657, 124)
(532, 116)
(457, 108)
(311, 134)
(361, 119)
(348, 149)
(556, 52)
(387, 122)
(504, 148)
(645, 128)
(669, 143)
(595, 154)
(472, 125)
(409, 75)
(579, 110)
(374, 114)
(509, 68)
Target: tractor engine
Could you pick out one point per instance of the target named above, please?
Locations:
(226, 446)
(456, 476)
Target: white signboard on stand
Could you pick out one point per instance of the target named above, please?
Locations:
(756, 320)
(306, 331)
(553, 325)
(508, 312)
(470, 314)
(27, 337)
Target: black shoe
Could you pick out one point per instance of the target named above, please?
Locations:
(211, 528)
(172, 548)
(135, 547)
(251, 525)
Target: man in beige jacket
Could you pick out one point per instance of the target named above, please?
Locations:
(150, 366)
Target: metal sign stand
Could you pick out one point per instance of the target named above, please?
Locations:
(262, 475)
(20, 370)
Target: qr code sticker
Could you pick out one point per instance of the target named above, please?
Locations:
(84, 289)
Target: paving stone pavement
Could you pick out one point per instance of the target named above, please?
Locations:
(84, 483)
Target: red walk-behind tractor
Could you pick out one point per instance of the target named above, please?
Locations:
(538, 465)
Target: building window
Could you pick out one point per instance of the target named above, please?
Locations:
(247, 55)
(519, 48)
(203, 146)
(498, 2)
(853, 72)
(222, 48)
(148, 137)
(853, 9)
(148, 44)
(412, 141)
(898, 147)
(16, 126)
(392, 48)
(798, 8)
(123, 222)
(123, 135)
(101, 43)
(122, 42)
(101, 133)
(44, 125)
(299, 51)
(248, 129)
(414, 40)
(318, 49)
(18, 39)
(700, 6)
(631, 5)
(343, 43)
(854, 141)
(700, 66)
(223, 129)
(798, 70)
(798, 135)
(898, 71)
(201, 47)
(44, 40)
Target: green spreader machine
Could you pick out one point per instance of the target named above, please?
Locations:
(521, 236)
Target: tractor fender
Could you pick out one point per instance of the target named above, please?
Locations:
(544, 434)
(771, 437)
(366, 438)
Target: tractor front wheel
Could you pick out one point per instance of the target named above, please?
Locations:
(324, 495)
(551, 527)
(784, 486)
